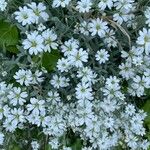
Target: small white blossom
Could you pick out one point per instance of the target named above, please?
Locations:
(16, 96)
(34, 43)
(1, 138)
(24, 16)
(23, 77)
(84, 28)
(58, 82)
(62, 3)
(98, 26)
(144, 40)
(77, 57)
(49, 40)
(37, 77)
(63, 65)
(105, 3)
(146, 13)
(83, 91)
(41, 27)
(39, 11)
(36, 106)
(102, 56)
(54, 143)
(70, 45)
(3, 5)
(84, 6)
(35, 145)
(87, 75)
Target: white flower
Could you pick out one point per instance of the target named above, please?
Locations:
(112, 81)
(56, 126)
(35, 145)
(145, 144)
(34, 43)
(146, 13)
(109, 122)
(6, 110)
(137, 127)
(118, 18)
(110, 39)
(34, 118)
(36, 77)
(123, 4)
(62, 3)
(54, 143)
(9, 125)
(87, 148)
(137, 60)
(36, 106)
(130, 109)
(43, 120)
(16, 96)
(49, 40)
(77, 57)
(112, 88)
(17, 116)
(4, 73)
(102, 56)
(1, 138)
(84, 113)
(63, 65)
(58, 82)
(23, 77)
(39, 11)
(98, 26)
(131, 141)
(3, 5)
(83, 91)
(53, 97)
(104, 142)
(24, 16)
(87, 75)
(67, 148)
(144, 40)
(125, 15)
(105, 3)
(41, 27)
(84, 6)
(70, 45)
(109, 105)
(84, 28)
(126, 70)
(139, 84)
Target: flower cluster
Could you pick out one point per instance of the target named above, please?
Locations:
(26, 77)
(32, 13)
(89, 92)
(40, 42)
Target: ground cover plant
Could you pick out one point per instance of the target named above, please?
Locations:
(75, 75)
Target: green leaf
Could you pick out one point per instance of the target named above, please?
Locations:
(77, 145)
(146, 108)
(49, 60)
(147, 92)
(8, 34)
(48, 147)
(14, 146)
(12, 49)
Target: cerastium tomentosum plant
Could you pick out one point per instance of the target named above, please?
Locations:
(78, 72)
